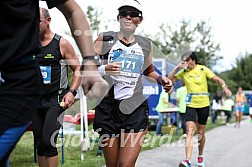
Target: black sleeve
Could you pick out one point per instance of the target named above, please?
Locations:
(54, 3)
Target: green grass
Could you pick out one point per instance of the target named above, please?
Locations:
(22, 155)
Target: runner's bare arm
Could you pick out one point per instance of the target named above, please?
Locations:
(93, 84)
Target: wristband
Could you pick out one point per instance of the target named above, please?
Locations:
(96, 59)
(101, 69)
(158, 79)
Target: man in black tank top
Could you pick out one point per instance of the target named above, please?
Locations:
(57, 94)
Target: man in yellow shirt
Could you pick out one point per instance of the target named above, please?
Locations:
(197, 109)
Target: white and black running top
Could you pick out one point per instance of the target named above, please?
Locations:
(133, 58)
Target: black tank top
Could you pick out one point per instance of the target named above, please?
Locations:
(55, 75)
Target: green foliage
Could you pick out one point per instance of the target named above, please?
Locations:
(241, 74)
(94, 18)
(170, 39)
(206, 48)
(22, 155)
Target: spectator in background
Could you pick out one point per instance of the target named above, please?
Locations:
(228, 106)
(181, 103)
(163, 104)
(216, 106)
(240, 99)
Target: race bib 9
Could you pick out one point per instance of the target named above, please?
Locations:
(46, 74)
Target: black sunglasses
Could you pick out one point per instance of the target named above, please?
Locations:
(125, 13)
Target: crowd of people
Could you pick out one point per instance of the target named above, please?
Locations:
(34, 85)
(236, 105)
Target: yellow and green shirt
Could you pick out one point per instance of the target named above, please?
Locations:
(181, 95)
(161, 106)
(196, 83)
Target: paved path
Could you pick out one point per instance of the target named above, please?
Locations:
(226, 146)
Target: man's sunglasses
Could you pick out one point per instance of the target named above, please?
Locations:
(125, 13)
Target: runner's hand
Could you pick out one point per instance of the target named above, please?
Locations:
(113, 68)
(167, 84)
(67, 100)
(93, 84)
(227, 91)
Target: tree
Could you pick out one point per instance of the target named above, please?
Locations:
(94, 18)
(173, 39)
(241, 74)
(98, 22)
(206, 48)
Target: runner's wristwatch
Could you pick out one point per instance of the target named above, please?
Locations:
(96, 59)
(73, 91)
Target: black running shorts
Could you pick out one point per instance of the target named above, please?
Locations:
(111, 118)
(199, 115)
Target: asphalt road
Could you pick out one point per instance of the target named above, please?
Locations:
(225, 146)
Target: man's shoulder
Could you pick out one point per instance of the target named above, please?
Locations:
(64, 42)
(57, 36)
